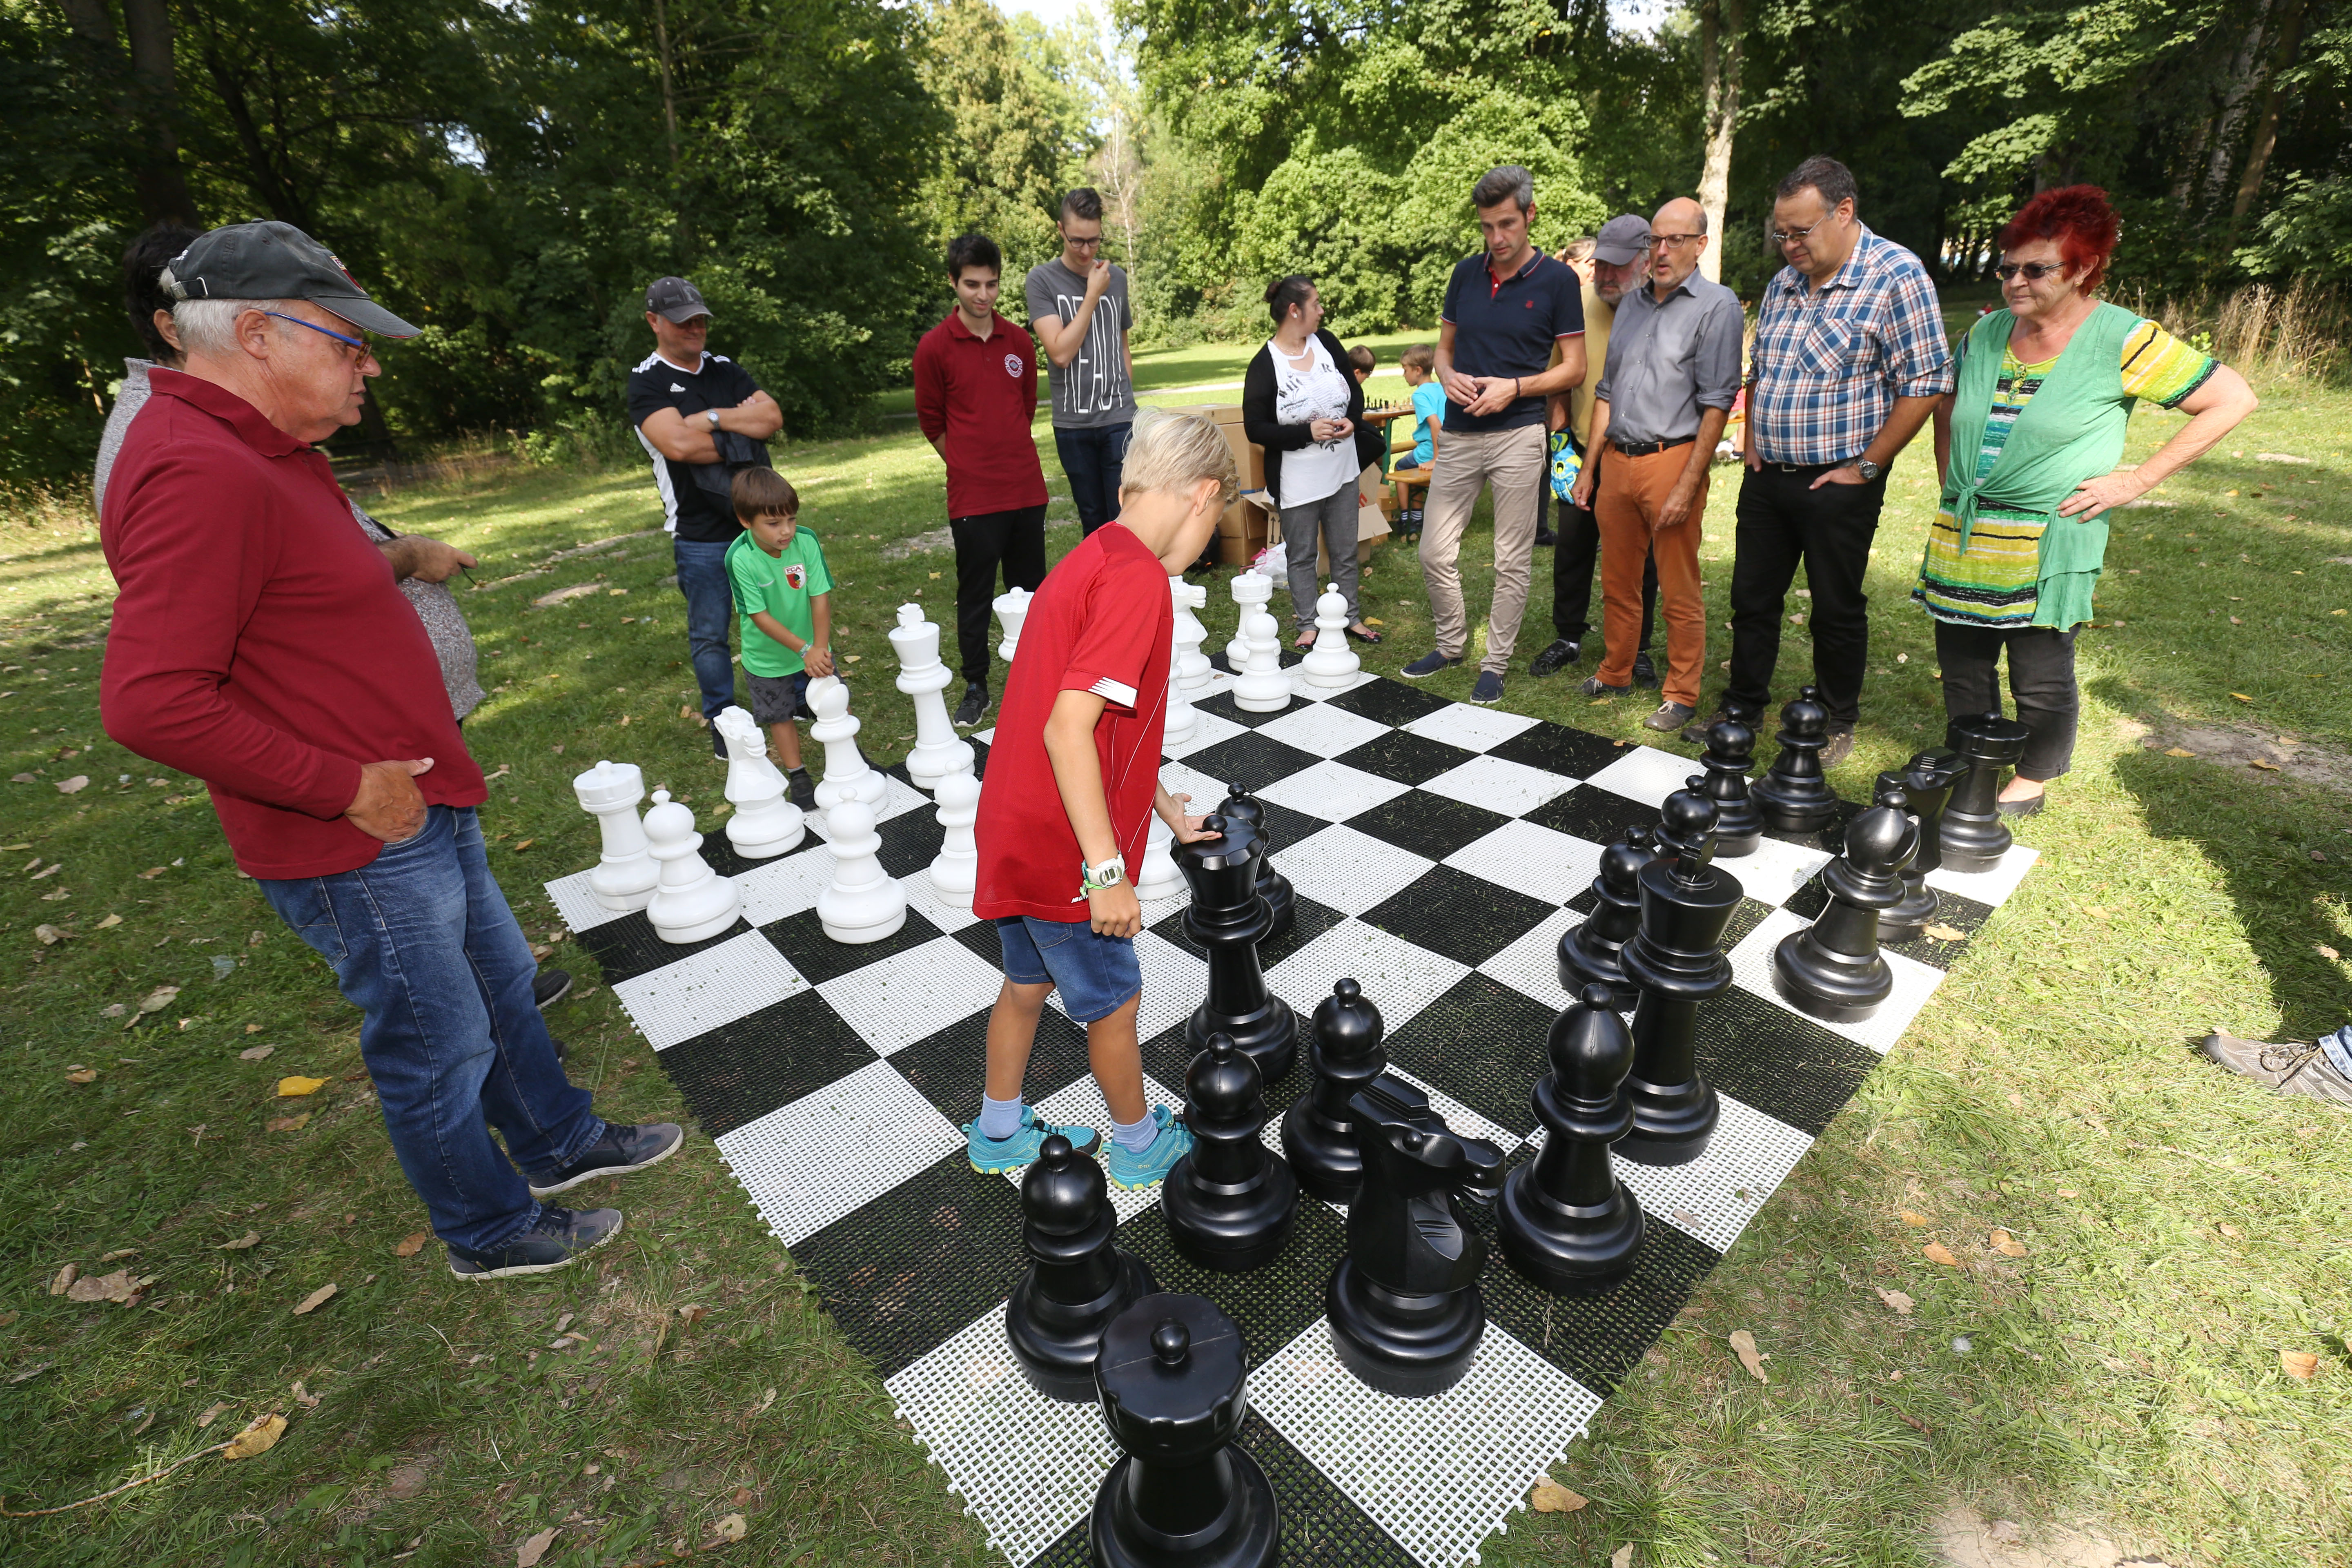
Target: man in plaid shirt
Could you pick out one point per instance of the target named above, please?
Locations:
(1850, 360)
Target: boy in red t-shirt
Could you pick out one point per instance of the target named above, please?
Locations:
(1073, 775)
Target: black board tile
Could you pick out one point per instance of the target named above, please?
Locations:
(764, 1060)
(819, 958)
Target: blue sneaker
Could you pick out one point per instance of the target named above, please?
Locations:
(1489, 687)
(1150, 1168)
(994, 1156)
(1428, 664)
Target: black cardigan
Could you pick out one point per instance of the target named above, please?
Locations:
(1258, 421)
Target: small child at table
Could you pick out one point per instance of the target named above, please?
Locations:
(1363, 362)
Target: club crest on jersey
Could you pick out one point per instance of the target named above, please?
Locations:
(1013, 366)
(796, 576)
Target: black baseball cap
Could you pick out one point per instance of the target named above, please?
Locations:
(275, 262)
(675, 300)
(1621, 239)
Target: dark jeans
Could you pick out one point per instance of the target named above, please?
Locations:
(1781, 521)
(1014, 541)
(2041, 682)
(1573, 561)
(709, 616)
(1092, 457)
(422, 944)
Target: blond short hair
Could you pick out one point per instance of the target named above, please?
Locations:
(1171, 452)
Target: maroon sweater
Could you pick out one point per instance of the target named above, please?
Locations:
(259, 641)
(976, 397)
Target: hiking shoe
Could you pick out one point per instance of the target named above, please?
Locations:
(1149, 1168)
(994, 1156)
(1562, 653)
(1489, 687)
(1593, 687)
(550, 986)
(560, 1236)
(1696, 731)
(1644, 673)
(974, 704)
(1838, 747)
(621, 1151)
(1669, 716)
(1428, 664)
(801, 788)
(2298, 1067)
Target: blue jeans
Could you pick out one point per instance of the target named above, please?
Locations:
(1092, 457)
(1095, 974)
(709, 616)
(422, 944)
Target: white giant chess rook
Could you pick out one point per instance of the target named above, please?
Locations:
(864, 903)
(847, 776)
(922, 675)
(766, 823)
(1331, 662)
(693, 904)
(625, 875)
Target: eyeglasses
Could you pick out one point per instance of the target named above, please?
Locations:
(359, 344)
(2035, 271)
(1087, 244)
(1674, 239)
(1783, 236)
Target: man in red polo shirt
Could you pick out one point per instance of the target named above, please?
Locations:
(976, 396)
(260, 644)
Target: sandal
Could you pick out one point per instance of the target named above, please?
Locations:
(1367, 635)
(1306, 641)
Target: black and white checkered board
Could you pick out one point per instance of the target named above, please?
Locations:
(1438, 851)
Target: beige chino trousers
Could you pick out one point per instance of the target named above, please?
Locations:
(1513, 462)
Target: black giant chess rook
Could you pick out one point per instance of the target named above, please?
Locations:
(1925, 786)
(1405, 1313)
(1676, 961)
(1228, 918)
(1272, 885)
(1077, 1281)
(1833, 969)
(1971, 836)
(1592, 951)
(1343, 1051)
(1231, 1202)
(1729, 757)
(1565, 1222)
(1794, 797)
(1173, 1382)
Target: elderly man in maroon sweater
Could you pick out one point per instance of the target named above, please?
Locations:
(259, 643)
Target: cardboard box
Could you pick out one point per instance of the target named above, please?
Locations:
(1243, 530)
(1248, 457)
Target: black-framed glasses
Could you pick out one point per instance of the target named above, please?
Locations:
(1082, 244)
(2035, 271)
(359, 344)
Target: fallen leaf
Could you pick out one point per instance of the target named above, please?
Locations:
(314, 1301)
(260, 1436)
(2068, 1192)
(2007, 1245)
(2016, 1101)
(2258, 763)
(290, 1123)
(522, 844)
(1943, 933)
(87, 1075)
(2242, 697)
(765, 1400)
(1936, 1252)
(241, 1242)
(1912, 1217)
(296, 1087)
(1622, 1557)
(65, 1277)
(2326, 952)
(152, 873)
(51, 935)
(120, 1252)
(256, 1053)
(156, 1001)
(1908, 1419)
(410, 1245)
(1743, 1345)
(2236, 622)
(73, 785)
(1550, 1497)
(22, 778)
(528, 1554)
(1896, 1300)
(114, 1287)
(304, 1397)
(2178, 752)
(214, 1414)
(109, 922)
(731, 1528)
(694, 1314)
(253, 1028)
(2301, 1365)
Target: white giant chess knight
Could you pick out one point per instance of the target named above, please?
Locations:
(766, 823)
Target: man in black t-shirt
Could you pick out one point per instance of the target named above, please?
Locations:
(683, 400)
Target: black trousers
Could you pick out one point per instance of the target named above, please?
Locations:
(1782, 521)
(1572, 561)
(2041, 682)
(1014, 541)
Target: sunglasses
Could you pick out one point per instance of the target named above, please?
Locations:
(2035, 271)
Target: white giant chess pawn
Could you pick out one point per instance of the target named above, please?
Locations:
(1157, 876)
(1263, 687)
(625, 875)
(1331, 662)
(922, 676)
(1193, 670)
(1249, 589)
(955, 870)
(1181, 724)
(847, 776)
(766, 823)
(693, 904)
(863, 902)
(1011, 607)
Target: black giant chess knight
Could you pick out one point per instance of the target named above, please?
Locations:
(1228, 918)
(1925, 786)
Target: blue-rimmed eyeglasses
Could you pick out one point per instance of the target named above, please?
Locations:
(359, 344)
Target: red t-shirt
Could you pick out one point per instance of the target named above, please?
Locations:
(1103, 622)
(258, 640)
(977, 397)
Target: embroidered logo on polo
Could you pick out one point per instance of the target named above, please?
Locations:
(675, 387)
(796, 576)
(1013, 366)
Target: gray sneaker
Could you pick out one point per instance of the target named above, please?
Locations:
(620, 1151)
(1838, 748)
(2298, 1067)
(561, 1235)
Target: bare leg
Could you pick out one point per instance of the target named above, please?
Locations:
(1013, 1030)
(1113, 1054)
(788, 744)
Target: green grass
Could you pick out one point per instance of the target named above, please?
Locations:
(2182, 1229)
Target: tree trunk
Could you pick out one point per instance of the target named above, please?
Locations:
(2258, 156)
(1719, 46)
(2233, 111)
(669, 124)
(145, 99)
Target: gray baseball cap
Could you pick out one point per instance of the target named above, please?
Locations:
(1621, 239)
(675, 300)
(275, 262)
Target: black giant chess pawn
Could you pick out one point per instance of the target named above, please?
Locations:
(1172, 1379)
(1729, 757)
(1231, 1202)
(1228, 918)
(1923, 787)
(1343, 1051)
(1405, 1313)
(1676, 961)
(1794, 797)
(1565, 1222)
(1077, 1281)
(1239, 805)
(1593, 950)
(1833, 969)
(1971, 836)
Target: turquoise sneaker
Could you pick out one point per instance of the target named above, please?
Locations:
(1150, 1168)
(994, 1156)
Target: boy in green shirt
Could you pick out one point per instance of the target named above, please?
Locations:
(782, 590)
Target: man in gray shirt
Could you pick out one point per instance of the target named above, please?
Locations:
(1078, 311)
(1658, 411)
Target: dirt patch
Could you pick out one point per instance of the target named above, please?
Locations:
(2281, 753)
(1965, 1538)
(938, 539)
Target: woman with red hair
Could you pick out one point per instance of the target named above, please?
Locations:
(2028, 442)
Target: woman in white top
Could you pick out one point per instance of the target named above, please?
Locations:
(1300, 403)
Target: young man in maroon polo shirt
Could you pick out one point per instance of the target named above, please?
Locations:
(1072, 779)
(976, 396)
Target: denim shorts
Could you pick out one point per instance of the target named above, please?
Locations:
(774, 698)
(1097, 974)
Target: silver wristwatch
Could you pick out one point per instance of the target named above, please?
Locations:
(1868, 470)
(712, 415)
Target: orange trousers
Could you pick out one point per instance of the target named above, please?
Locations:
(1625, 504)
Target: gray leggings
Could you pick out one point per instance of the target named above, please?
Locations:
(1334, 520)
